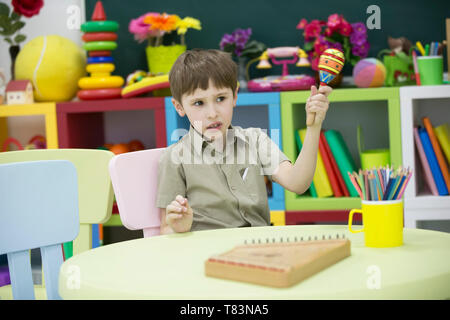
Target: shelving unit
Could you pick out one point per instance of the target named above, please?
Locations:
(418, 102)
(90, 124)
(47, 110)
(261, 110)
(378, 112)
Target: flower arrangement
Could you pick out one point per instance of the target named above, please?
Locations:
(10, 22)
(153, 26)
(237, 43)
(337, 33)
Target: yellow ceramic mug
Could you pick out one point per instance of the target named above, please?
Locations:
(382, 223)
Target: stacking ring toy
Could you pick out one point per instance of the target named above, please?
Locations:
(99, 26)
(103, 68)
(110, 93)
(100, 59)
(99, 45)
(101, 53)
(99, 36)
(100, 82)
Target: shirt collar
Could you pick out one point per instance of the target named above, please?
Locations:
(199, 141)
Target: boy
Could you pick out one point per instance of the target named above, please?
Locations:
(213, 177)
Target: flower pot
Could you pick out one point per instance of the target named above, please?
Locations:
(160, 59)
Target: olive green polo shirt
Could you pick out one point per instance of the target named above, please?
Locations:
(226, 188)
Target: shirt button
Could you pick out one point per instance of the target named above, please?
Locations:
(233, 188)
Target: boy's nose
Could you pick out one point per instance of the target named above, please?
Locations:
(212, 113)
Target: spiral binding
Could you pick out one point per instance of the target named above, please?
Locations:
(295, 239)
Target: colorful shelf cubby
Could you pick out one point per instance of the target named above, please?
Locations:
(46, 109)
(90, 124)
(418, 102)
(378, 112)
(260, 110)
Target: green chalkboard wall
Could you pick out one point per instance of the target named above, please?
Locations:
(273, 22)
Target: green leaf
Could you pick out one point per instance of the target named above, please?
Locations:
(17, 26)
(20, 38)
(15, 16)
(8, 40)
(308, 46)
(4, 9)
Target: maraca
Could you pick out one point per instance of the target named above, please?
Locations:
(331, 63)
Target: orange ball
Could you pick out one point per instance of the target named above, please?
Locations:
(136, 145)
(119, 148)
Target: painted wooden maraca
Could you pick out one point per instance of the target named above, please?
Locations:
(331, 63)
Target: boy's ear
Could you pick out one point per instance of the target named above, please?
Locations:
(178, 107)
(235, 95)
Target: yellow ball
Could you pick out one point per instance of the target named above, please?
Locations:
(53, 64)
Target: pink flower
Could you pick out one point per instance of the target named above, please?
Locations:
(302, 24)
(312, 29)
(345, 28)
(334, 21)
(140, 29)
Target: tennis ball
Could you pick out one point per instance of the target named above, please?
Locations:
(53, 64)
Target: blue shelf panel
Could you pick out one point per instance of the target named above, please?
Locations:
(177, 126)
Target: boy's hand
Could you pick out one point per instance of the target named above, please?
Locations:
(317, 105)
(179, 215)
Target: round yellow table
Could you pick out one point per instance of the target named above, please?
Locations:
(172, 267)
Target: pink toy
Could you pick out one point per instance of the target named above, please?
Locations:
(285, 82)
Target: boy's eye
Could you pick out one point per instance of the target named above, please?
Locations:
(198, 103)
(219, 99)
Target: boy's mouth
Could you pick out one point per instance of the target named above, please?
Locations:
(214, 126)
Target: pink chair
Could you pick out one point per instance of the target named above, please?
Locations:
(134, 176)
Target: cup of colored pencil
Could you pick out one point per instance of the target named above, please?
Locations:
(381, 184)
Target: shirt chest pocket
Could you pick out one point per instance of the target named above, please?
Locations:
(250, 180)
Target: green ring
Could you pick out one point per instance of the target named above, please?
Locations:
(97, 26)
(99, 45)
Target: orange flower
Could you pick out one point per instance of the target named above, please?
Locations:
(163, 22)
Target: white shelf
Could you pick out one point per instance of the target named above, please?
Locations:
(415, 103)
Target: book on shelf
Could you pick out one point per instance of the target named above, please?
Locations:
(343, 158)
(425, 166)
(320, 178)
(312, 188)
(329, 168)
(443, 136)
(432, 161)
(437, 151)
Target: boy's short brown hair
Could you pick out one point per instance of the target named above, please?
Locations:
(194, 68)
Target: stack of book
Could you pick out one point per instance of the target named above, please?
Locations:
(334, 161)
(433, 147)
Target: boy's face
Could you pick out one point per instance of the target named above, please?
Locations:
(210, 111)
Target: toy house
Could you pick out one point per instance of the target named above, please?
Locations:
(19, 92)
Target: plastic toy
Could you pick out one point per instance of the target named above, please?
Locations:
(53, 64)
(369, 72)
(285, 82)
(99, 36)
(331, 63)
(139, 82)
(19, 92)
(99, 40)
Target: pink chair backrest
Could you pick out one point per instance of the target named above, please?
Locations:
(134, 176)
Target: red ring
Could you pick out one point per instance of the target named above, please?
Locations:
(99, 36)
(93, 94)
(99, 53)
